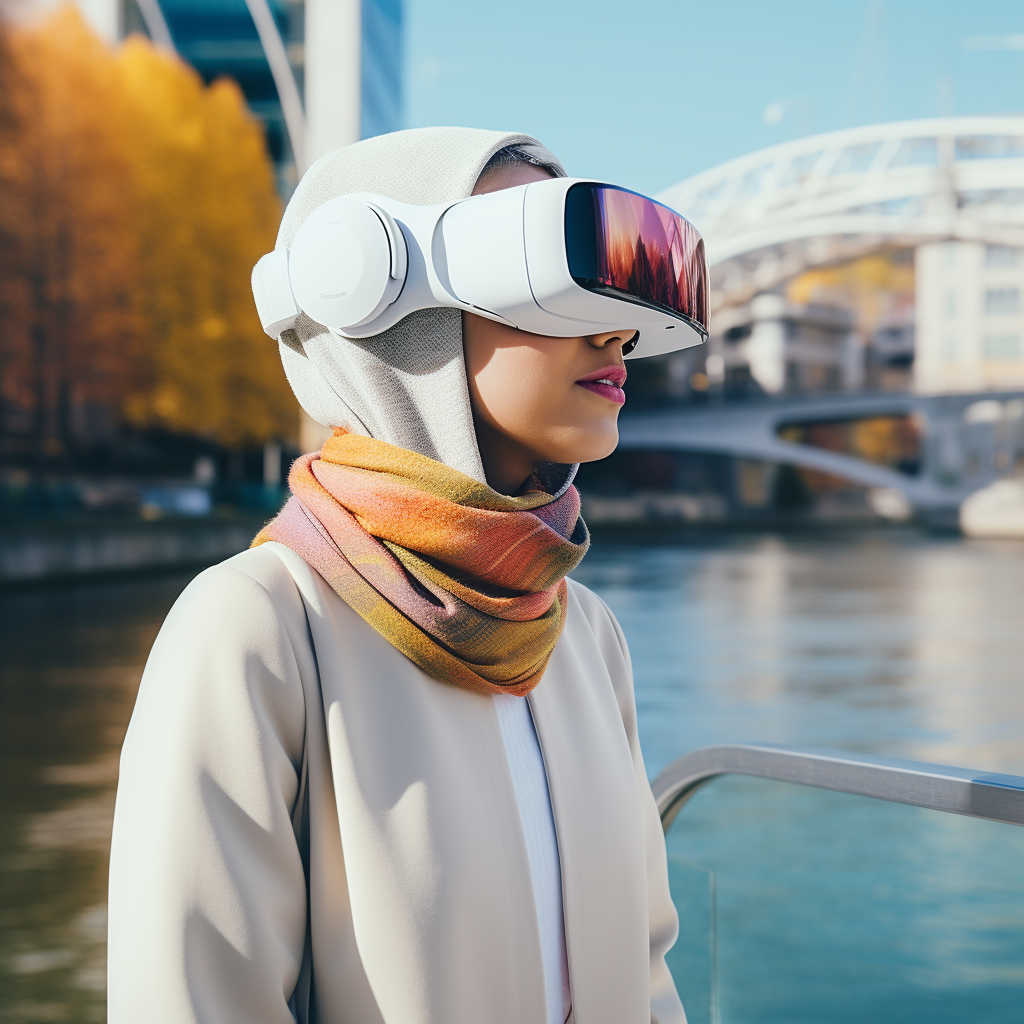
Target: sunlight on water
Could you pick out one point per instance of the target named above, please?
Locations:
(72, 660)
(887, 643)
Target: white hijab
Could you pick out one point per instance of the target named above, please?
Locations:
(407, 385)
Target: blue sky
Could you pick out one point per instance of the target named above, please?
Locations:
(647, 92)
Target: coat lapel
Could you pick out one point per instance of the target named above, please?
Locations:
(600, 831)
(435, 858)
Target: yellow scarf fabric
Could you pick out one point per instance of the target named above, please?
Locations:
(467, 583)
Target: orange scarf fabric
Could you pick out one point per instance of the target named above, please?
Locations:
(467, 583)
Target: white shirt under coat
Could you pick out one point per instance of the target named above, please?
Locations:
(526, 763)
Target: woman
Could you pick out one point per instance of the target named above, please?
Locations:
(310, 824)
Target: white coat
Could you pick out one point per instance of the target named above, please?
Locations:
(419, 882)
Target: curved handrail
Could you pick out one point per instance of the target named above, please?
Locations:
(938, 787)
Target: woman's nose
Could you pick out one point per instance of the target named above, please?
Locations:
(611, 338)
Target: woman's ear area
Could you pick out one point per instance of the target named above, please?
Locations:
(509, 176)
(475, 339)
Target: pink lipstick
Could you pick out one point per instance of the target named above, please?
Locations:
(607, 383)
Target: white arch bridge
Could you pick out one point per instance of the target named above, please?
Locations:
(966, 440)
(770, 215)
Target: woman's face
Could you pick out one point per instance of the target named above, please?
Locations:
(538, 399)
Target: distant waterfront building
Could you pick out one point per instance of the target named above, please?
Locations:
(945, 197)
(785, 347)
(970, 317)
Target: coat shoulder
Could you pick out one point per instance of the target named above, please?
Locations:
(588, 615)
(265, 568)
(590, 604)
(247, 603)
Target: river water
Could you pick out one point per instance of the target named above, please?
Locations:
(797, 905)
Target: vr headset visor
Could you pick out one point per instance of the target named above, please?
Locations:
(624, 245)
(563, 258)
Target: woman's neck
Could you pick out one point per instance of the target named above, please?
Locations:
(506, 463)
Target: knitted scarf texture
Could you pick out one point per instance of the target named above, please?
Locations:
(467, 583)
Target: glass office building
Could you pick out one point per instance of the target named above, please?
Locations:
(218, 37)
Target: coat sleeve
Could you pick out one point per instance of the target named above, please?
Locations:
(666, 1007)
(207, 895)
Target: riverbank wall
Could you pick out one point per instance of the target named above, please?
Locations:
(45, 551)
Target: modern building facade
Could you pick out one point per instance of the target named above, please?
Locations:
(970, 317)
(344, 58)
(785, 347)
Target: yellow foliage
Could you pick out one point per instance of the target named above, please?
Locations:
(874, 287)
(172, 197)
(885, 440)
(206, 211)
(68, 256)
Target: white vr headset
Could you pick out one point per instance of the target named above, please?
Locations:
(563, 257)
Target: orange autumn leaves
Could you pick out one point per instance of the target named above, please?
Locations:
(134, 201)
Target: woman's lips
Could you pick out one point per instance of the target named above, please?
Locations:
(607, 383)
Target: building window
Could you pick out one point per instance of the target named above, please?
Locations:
(1002, 300)
(1002, 346)
(950, 350)
(739, 332)
(950, 303)
(1001, 256)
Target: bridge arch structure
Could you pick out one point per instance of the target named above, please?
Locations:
(769, 216)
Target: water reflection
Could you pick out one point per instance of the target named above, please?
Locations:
(71, 665)
(829, 907)
(890, 643)
(885, 643)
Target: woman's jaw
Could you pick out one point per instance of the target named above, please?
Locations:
(537, 399)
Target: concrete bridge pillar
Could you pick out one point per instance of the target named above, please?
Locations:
(766, 349)
(333, 51)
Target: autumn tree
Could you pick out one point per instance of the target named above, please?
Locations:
(204, 210)
(72, 329)
(134, 201)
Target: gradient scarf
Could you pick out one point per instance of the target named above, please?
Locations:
(467, 583)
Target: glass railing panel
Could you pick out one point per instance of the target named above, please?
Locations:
(692, 959)
(828, 908)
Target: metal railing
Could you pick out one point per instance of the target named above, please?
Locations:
(938, 787)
